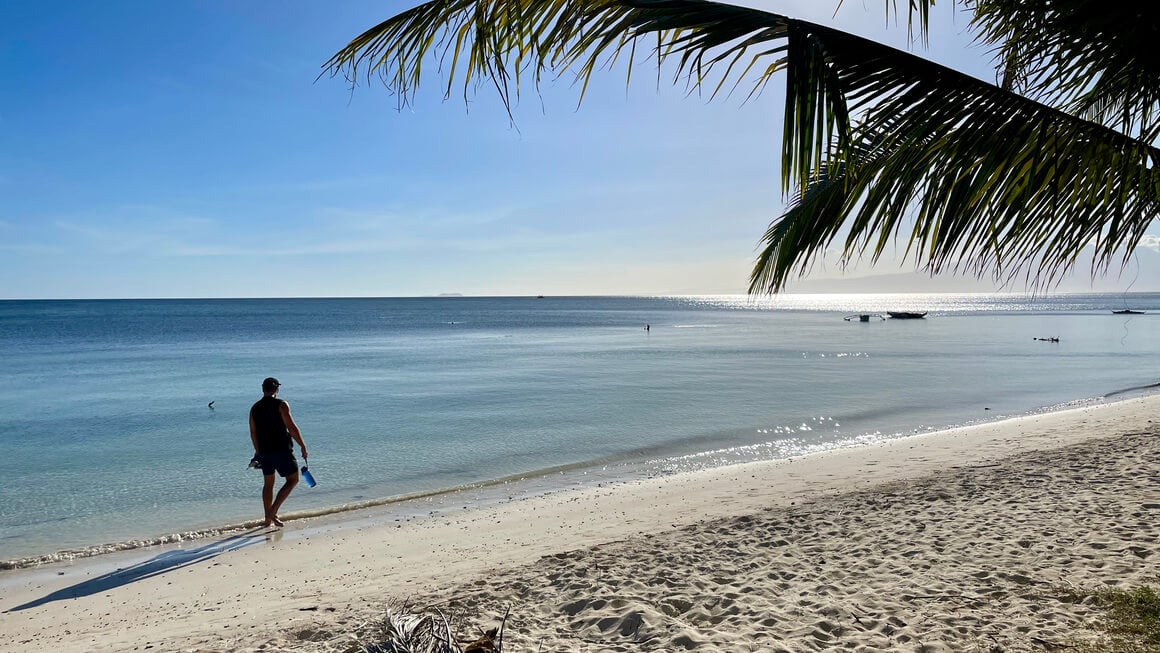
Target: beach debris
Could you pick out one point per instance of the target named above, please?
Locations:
(406, 629)
(1050, 645)
(485, 643)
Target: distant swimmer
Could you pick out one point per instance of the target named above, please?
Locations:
(210, 405)
(646, 327)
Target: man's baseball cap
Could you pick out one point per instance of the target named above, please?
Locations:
(270, 384)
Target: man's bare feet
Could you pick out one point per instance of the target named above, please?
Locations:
(277, 522)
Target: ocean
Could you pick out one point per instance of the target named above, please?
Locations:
(110, 438)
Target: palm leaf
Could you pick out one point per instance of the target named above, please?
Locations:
(982, 178)
(805, 230)
(882, 143)
(1097, 59)
(508, 40)
(711, 44)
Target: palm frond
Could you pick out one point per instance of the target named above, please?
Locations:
(881, 143)
(917, 16)
(711, 44)
(803, 232)
(510, 40)
(974, 178)
(1096, 59)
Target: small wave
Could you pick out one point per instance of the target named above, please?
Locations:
(114, 547)
(233, 529)
(696, 326)
(780, 449)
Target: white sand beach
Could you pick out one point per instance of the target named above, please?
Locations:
(953, 541)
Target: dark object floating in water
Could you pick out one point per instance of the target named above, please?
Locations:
(906, 315)
(210, 405)
(539, 296)
(863, 317)
(1051, 339)
(1128, 311)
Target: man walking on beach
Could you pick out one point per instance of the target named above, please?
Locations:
(273, 433)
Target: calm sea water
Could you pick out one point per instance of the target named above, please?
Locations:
(108, 436)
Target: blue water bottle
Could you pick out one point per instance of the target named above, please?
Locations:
(308, 477)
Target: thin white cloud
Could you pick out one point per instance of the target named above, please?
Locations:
(119, 239)
(371, 220)
(339, 232)
(36, 248)
(309, 244)
(509, 229)
(31, 248)
(1150, 242)
(330, 247)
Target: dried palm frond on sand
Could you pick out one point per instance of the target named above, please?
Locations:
(406, 629)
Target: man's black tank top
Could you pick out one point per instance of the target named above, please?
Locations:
(272, 433)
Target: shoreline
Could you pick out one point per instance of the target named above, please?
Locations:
(559, 478)
(208, 598)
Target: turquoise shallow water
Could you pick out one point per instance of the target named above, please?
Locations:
(103, 404)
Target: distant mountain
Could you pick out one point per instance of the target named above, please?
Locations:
(919, 282)
(1141, 274)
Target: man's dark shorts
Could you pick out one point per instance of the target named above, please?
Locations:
(282, 462)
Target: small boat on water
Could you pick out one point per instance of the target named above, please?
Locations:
(1128, 311)
(906, 315)
(863, 317)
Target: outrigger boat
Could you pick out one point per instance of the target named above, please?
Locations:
(906, 315)
(1128, 311)
(863, 317)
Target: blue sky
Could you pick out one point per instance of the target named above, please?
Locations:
(185, 149)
